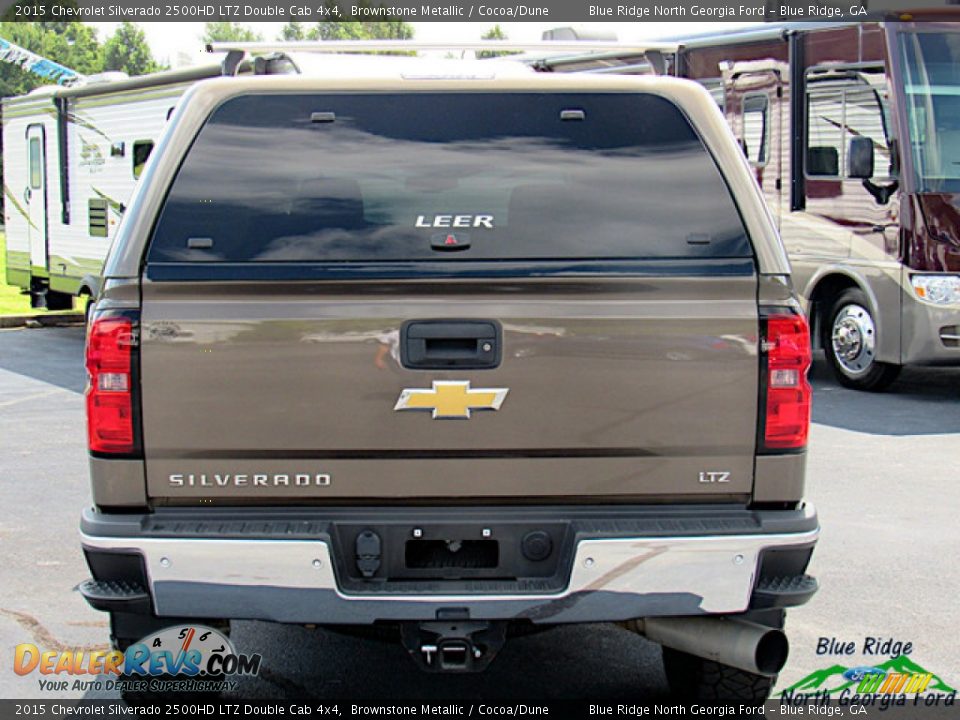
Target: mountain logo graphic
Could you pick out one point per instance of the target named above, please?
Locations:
(838, 678)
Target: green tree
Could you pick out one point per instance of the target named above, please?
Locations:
(494, 33)
(293, 31)
(346, 29)
(71, 44)
(229, 32)
(127, 50)
(353, 30)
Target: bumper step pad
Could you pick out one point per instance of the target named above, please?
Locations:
(781, 592)
(115, 595)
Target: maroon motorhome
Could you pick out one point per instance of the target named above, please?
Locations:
(853, 133)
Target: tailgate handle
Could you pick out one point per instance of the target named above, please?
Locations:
(443, 344)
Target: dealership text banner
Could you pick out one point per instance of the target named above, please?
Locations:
(488, 11)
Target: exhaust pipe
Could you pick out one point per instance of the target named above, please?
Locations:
(755, 648)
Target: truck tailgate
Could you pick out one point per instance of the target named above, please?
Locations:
(614, 387)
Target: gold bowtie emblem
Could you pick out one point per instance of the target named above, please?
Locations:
(450, 400)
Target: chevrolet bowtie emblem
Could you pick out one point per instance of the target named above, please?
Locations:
(450, 400)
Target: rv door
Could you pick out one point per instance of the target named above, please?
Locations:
(35, 197)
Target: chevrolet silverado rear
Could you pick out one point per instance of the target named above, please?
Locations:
(458, 357)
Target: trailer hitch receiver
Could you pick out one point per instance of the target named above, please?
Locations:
(453, 646)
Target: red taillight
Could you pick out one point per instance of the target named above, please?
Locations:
(110, 421)
(787, 348)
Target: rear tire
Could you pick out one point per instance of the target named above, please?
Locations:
(849, 339)
(695, 678)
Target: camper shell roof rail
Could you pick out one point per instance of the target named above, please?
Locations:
(542, 55)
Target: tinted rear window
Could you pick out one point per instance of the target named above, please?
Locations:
(327, 178)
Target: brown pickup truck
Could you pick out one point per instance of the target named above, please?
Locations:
(458, 356)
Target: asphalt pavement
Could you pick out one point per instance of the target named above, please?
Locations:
(882, 471)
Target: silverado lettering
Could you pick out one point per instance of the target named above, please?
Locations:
(256, 480)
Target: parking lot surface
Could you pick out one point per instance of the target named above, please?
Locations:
(882, 471)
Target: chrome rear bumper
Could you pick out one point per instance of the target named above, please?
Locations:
(295, 580)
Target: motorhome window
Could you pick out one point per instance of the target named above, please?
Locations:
(36, 166)
(393, 175)
(931, 62)
(838, 111)
(141, 151)
(865, 118)
(755, 128)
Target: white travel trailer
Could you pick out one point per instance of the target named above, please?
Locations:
(71, 159)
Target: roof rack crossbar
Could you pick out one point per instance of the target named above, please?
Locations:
(339, 46)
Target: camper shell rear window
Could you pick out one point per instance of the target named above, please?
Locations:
(284, 178)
